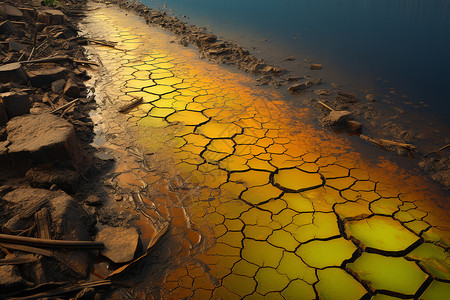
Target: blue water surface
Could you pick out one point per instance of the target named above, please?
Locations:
(405, 42)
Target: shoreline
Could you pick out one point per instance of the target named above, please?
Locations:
(375, 123)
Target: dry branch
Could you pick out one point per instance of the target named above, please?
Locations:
(64, 244)
(131, 105)
(57, 59)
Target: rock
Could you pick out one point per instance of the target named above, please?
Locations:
(346, 97)
(44, 176)
(15, 103)
(315, 67)
(322, 92)
(93, 200)
(51, 16)
(371, 98)
(6, 27)
(296, 88)
(353, 126)
(44, 77)
(13, 72)
(337, 117)
(15, 46)
(120, 243)
(71, 89)
(3, 116)
(58, 85)
(10, 280)
(42, 138)
(11, 12)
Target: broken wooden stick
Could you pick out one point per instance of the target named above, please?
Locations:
(57, 59)
(18, 260)
(438, 150)
(58, 291)
(387, 143)
(103, 43)
(326, 106)
(65, 244)
(28, 249)
(131, 105)
(65, 105)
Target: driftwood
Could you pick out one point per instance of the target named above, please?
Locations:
(103, 43)
(438, 150)
(387, 143)
(57, 59)
(131, 105)
(64, 244)
(28, 249)
(42, 221)
(64, 106)
(18, 260)
(62, 290)
(32, 208)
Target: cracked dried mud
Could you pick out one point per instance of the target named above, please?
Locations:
(261, 203)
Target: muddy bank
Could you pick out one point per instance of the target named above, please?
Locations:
(58, 215)
(369, 114)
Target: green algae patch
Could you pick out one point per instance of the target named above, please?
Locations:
(238, 284)
(298, 289)
(261, 253)
(322, 225)
(394, 274)
(283, 239)
(295, 180)
(382, 233)
(294, 268)
(336, 284)
(269, 280)
(297, 202)
(321, 254)
(437, 290)
(433, 258)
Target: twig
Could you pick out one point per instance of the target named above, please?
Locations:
(386, 143)
(17, 260)
(27, 249)
(131, 105)
(64, 106)
(323, 104)
(59, 58)
(51, 243)
(66, 289)
(67, 109)
(438, 150)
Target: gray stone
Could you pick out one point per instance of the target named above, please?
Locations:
(10, 279)
(11, 11)
(93, 200)
(346, 97)
(337, 117)
(15, 103)
(44, 77)
(6, 27)
(42, 138)
(371, 98)
(120, 243)
(46, 175)
(296, 88)
(71, 89)
(15, 46)
(58, 85)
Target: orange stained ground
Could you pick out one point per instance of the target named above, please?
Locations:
(261, 203)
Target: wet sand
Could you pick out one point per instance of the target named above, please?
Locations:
(261, 202)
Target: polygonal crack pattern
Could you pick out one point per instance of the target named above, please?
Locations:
(285, 211)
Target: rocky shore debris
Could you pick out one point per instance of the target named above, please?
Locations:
(48, 227)
(341, 119)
